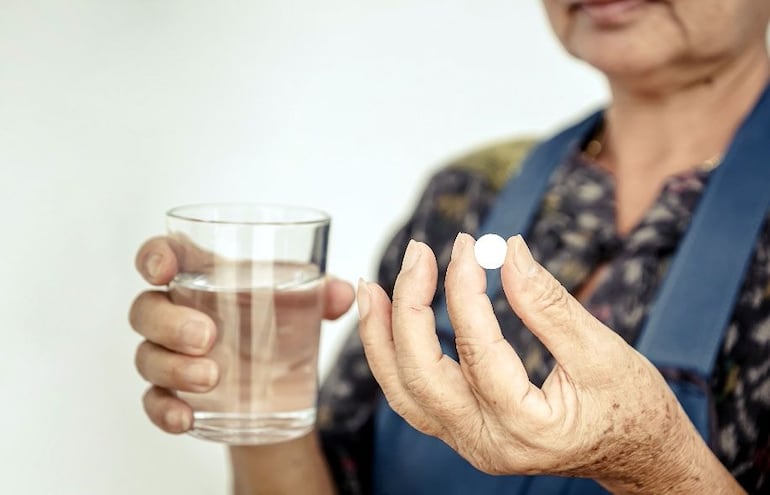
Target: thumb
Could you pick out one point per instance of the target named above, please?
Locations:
(572, 335)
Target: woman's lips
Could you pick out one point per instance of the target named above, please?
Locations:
(609, 13)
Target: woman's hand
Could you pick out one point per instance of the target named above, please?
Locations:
(173, 356)
(604, 411)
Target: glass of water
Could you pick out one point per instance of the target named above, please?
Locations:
(258, 271)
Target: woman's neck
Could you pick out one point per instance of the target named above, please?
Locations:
(650, 136)
(662, 134)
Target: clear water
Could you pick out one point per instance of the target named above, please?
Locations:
(268, 322)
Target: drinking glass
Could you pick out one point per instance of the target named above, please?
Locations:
(258, 271)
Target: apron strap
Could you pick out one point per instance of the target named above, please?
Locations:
(686, 325)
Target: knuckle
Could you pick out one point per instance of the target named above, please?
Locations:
(389, 382)
(417, 384)
(369, 341)
(401, 303)
(398, 403)
(471, 351)
(405, 310)
(457, 418)
(398, 304)
(404, 407)
(551, 296)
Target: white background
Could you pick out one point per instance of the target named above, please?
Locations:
(112, 111)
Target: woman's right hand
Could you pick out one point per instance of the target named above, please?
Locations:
(177, 338)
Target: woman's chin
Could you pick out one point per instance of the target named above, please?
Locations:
(629, 59)
(624, 38)
(624, 66)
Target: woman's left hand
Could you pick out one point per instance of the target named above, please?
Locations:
(604, 411)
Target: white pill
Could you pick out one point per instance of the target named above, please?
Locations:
(490, 251)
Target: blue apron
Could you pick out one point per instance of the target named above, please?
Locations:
(681, 336)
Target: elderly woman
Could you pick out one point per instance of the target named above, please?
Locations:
(540, 378)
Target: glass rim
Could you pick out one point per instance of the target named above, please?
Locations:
(320, 217)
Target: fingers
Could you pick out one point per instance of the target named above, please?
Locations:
(174, 327)
(377, 339)
(485, 355)
(167, 369)
(156, 261)
(414, 330)
(166, 411)
(339, 297)
(432, 379)
(574, 337)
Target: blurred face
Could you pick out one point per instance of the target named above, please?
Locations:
(643, 40)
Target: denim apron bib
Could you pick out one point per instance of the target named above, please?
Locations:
(682, 334)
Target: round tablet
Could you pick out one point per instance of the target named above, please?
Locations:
(490, 251)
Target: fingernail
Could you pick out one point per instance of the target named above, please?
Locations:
(411, 256)
(153, 264)
(364, 298)
(195, 334)
(458, 245)
(522, 257)
(201, 374)
(176, 419)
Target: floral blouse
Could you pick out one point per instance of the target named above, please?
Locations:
(572, 235)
